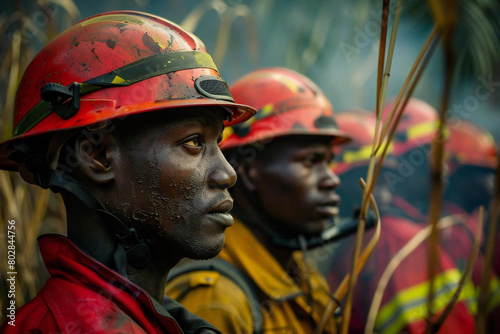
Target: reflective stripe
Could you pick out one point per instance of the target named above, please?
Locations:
(421, 129)
(494, 295)
(353, 156)
(363, 153)
(146, 68)
(410, 305)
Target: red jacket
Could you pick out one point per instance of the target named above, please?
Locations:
(84, 296)
(404, 303)
(458, 240)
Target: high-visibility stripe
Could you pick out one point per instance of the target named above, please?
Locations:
(494, 294)
(421, 129)
(142, 69)
(410, 305)
(362, 154)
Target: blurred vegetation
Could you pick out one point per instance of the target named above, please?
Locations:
(36, 211)
(477, 36)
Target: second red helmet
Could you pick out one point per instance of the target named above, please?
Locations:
(288, 103)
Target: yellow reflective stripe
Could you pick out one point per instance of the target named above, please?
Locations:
(494, 298)
(410, 305)
(118, 80)
(266, 110)
(421, 129)
(362, 154)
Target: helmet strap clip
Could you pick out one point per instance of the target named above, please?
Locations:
(65, 100)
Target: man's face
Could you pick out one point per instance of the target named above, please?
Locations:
(173, 182)
(295, 184)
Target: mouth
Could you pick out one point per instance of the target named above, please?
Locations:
(328, 208)
(219, 213)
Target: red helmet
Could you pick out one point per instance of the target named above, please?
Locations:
(113, 65)
(416, 127)
(468, 144)
(360, 125)
(288, 103)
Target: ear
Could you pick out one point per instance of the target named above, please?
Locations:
(248, 175)
(96, 158)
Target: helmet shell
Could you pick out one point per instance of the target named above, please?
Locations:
(416, 127)
(104, 43)
(469, 144)
(288, 103)
(360, 125)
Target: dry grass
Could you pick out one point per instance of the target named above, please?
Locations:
(35, 211)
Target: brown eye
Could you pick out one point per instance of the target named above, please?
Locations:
(193, 142)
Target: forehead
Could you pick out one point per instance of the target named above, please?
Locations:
(164, 120)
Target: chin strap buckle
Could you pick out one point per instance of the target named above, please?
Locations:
(65, 100)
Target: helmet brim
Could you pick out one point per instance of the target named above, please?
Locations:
(239, 113)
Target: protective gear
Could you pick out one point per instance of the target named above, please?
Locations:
(416, 127)
(106, 302)
(403, 305)
(360, 125)
(288, 104)
(107, 66)
(468, 144)
(288, 304)
(114, 65)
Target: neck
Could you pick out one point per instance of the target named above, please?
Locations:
(151, 278)
(93, 236)
(89, 232)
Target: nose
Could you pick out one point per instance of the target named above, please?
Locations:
(329, 179)
(222, 175)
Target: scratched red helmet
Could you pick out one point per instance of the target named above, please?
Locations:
(416, 127)
(471, 145)
(288, 103)
(113, 65)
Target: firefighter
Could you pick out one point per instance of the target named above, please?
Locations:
(121, 114)
(285, 201)
(413, 141)
(403, 307)
(351, 161)
(471, 160)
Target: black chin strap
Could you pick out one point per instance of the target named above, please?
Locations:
(132, 248)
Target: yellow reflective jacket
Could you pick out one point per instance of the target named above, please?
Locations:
(287, 307)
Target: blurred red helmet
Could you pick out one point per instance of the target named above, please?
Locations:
(288, 103)
(113, 65)
(416, 127)
(471, 145)
(360, 126)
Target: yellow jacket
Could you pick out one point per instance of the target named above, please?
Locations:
(284, 304)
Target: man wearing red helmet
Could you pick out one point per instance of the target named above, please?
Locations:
(122, 114)
(412, 146)
(284, 202)
(403, 306)
(471, 157)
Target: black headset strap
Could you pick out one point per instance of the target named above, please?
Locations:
(132, 249)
